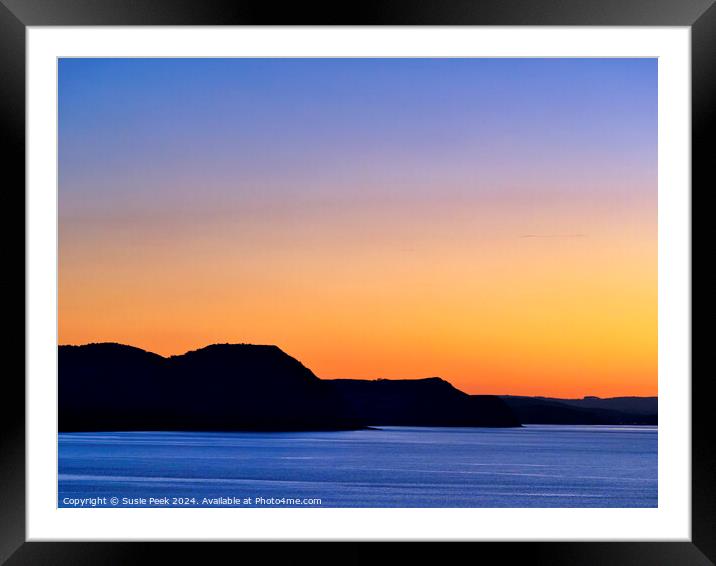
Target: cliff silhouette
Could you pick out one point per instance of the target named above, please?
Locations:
(421, 402)
(586, 411)
(111, 386)
(246, 387)
(220, 387)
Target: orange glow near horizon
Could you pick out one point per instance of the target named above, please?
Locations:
(491, 306)
(490, 222)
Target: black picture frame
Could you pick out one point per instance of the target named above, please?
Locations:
(16, 15)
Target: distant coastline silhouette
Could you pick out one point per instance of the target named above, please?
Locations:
(223, 387)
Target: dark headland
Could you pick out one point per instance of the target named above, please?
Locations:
(587, 411)
(227, 387)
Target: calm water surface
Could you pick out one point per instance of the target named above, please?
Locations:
(535, 466)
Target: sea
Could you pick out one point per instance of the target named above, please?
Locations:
(532, 466)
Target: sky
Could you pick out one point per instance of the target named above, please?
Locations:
(489, 221)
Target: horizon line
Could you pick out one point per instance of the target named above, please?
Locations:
(353, 378)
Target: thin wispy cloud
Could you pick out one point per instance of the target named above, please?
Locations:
(553, 236)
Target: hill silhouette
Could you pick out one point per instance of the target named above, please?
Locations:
(587, 411)
(220, 387)
(421, 402)
(111, 386)
(246, 387)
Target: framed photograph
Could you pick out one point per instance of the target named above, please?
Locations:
(421, 274)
